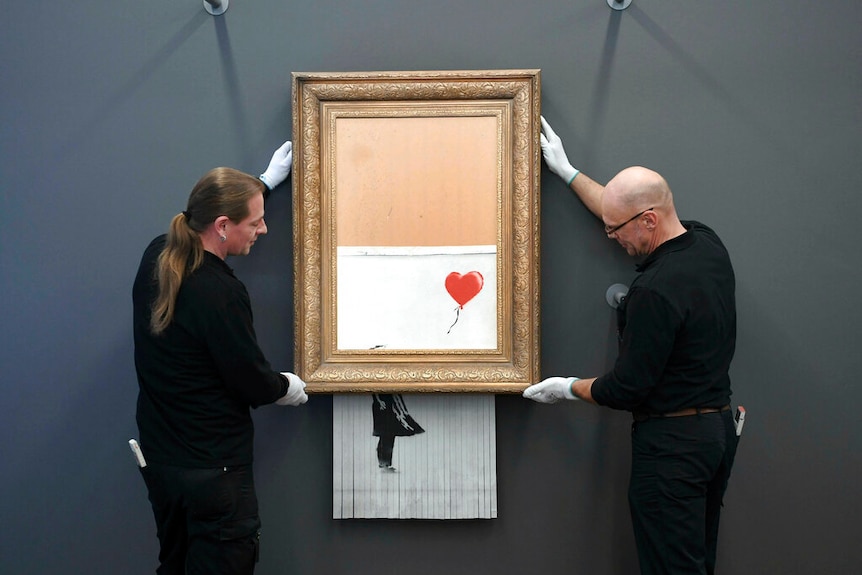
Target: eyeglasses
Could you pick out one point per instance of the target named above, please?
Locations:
(612, 229)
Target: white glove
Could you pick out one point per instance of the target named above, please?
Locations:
(551, 390)
(554, 154)
(279, 166)
(295, 390)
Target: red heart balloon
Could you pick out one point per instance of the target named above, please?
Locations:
(463, 288)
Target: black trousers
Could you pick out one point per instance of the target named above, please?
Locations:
(206, 519)
(680, 470)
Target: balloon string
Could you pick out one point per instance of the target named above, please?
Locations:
(457, 315)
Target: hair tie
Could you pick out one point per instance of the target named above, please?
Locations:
(188, 215)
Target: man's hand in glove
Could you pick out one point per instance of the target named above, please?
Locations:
(295, 390)
(555, 155)
(279, 166)
(551, 390)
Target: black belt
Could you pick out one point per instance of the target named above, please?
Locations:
(643, 415)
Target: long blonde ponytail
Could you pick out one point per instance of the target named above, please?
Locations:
(182, 255)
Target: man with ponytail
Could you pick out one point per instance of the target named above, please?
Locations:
(200, 370)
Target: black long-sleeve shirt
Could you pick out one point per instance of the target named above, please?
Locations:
(200, 376)
(676, 328)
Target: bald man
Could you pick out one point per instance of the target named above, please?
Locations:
(676, 331)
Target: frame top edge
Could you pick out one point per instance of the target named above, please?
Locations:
(418, 74)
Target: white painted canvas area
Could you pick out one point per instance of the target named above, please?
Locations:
(395, 298)
(448, 472)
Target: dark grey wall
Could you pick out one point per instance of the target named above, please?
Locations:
(111, 110)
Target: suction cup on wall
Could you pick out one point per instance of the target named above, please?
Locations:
(619, 4)
(218, 7)
(615, 294)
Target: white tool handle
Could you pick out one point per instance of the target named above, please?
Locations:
(139, 455)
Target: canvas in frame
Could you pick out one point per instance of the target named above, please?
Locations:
(416, 230)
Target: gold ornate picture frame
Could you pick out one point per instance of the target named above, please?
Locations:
(416, 230)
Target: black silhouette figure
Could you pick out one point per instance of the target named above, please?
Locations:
(391, 420)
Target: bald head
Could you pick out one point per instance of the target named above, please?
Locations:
(638, 188)
(643, 195)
